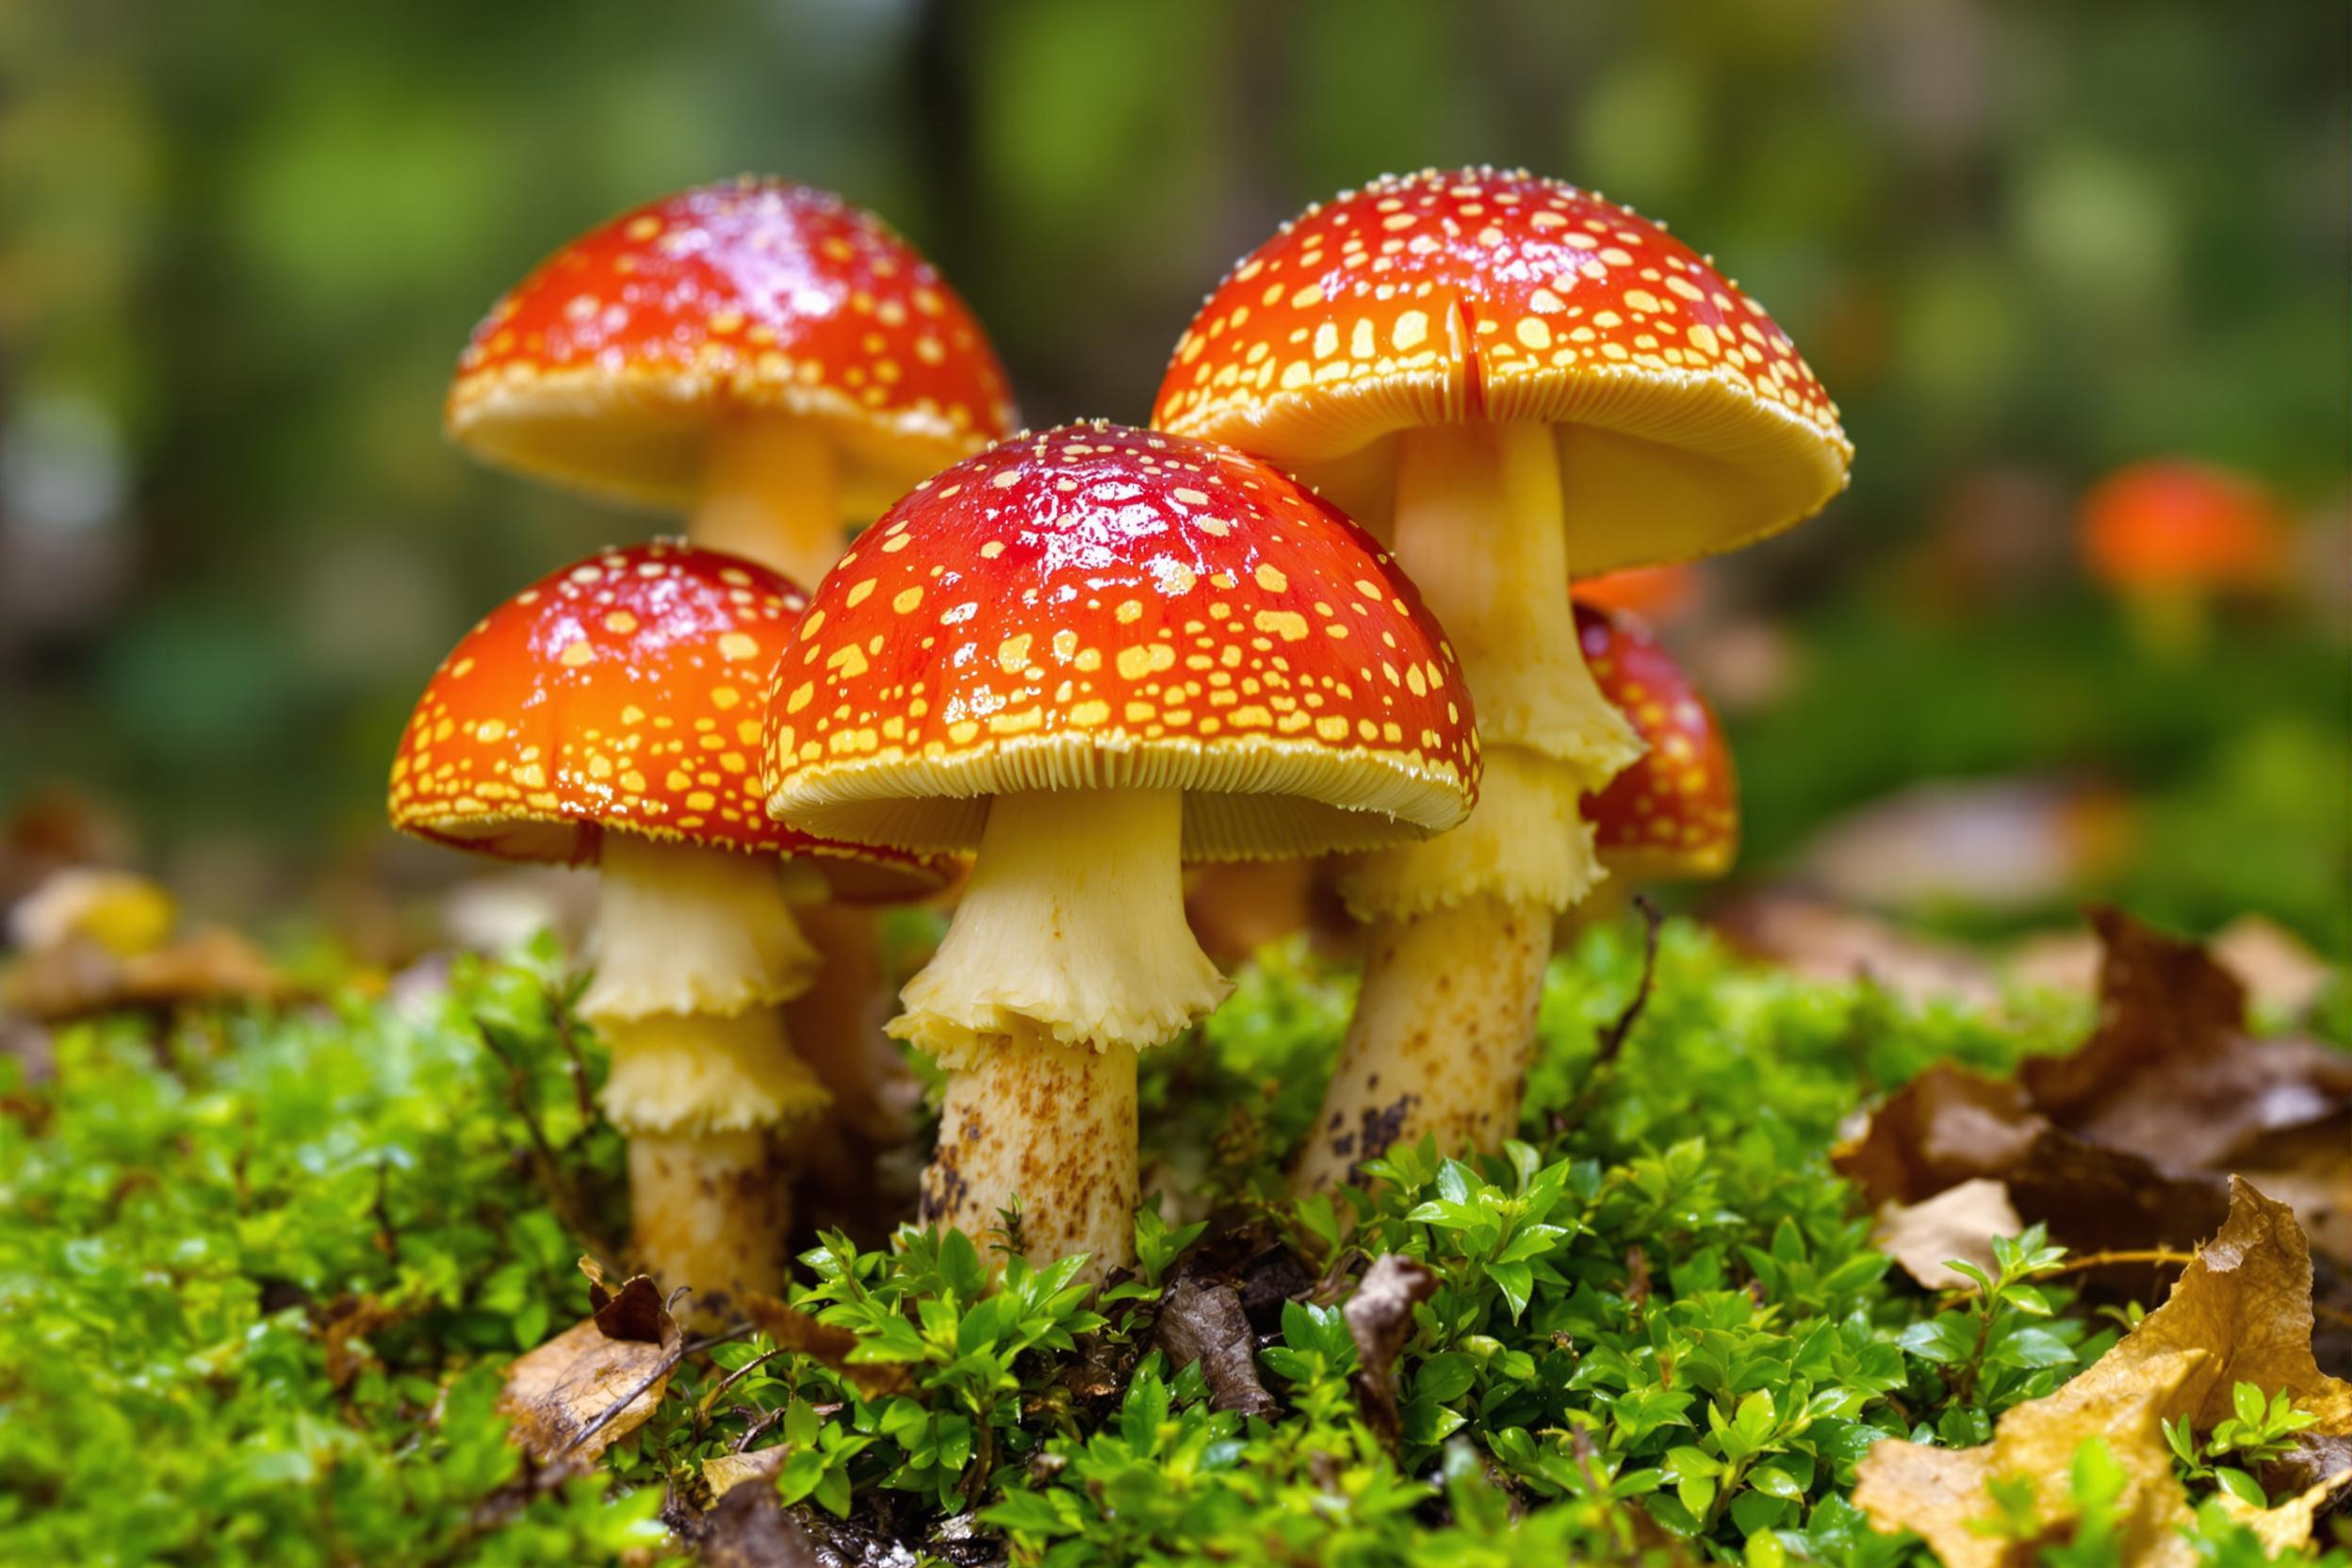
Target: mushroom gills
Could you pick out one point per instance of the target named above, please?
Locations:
(771, 493)
(681, 929)
(1072, 929)
(1481, 525)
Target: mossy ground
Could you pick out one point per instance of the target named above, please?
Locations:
(260, 1276)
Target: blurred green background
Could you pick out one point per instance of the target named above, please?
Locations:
(2022, 244)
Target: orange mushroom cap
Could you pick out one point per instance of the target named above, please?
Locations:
(2167, 522)
(1653, 593)
(1690, 424)
(618, 694)
(605, 368)
(1675, 814)
(1095, 607)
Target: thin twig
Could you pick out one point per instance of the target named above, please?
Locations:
(2157, 1255)
(384, 1230)
(551, 1178)
(668, 1364)
(559, 1014)
(1612, 1035)
(761, 1428)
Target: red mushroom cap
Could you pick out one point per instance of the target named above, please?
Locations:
(619, 694)
(1095, 607)
(1454, 296)
(1675, 814)
(606, 367)
(2167, 522)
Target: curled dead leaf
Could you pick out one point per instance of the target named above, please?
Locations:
(1379, 1320)
(1206, 1323)
(587, 1388)
(2241, 1313)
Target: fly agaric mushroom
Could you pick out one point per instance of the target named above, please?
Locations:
(1673, 815)
(609, 714)
(2166, 536)
(760, 356)
(1517, 380)
(1092, 654)
(772, 362)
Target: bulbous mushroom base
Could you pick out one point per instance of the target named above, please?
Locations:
(1441, 1037)
(708, 1210)
(1052, 1126)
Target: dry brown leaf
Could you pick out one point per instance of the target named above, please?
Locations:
(1379, 1320)
(730, 1471)
(1959, 1222)
(2124, 1144)
(2245, 1303)
(795, 1331)
(1206, 1323)
(586, 1389)
(2170, 1072)
(1941, 1492)
(2291, 1524)
(79, 977)
(2241, 1313)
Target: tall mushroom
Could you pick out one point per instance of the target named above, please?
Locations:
(609, 714)
(772, 362)
(1518, 382)
(1092, 654)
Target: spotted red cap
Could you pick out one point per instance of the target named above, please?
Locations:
(2170, 522)
(1095, 607)
(620, 694)
(605, 367)
(1675, 814)
(1453, 296)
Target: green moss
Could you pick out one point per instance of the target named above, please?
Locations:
(261, 1273)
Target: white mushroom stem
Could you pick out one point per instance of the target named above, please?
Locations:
(1481, 528)
(1454, 976)
(1068, 955)
(696, 947)
(769, 493)
(1439, 1040)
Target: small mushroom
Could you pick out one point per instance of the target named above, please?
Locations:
(1674, 816)
(1516, 383)
(772, 362)
(609, 714)
(1092, 654)
(2167, 537)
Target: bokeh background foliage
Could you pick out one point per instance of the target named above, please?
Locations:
(240, 245)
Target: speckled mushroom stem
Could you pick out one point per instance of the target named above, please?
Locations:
(1054, 1126)
(696, 947)
(1446, 1023)
(1068, 955)
(770, 493)
(1439, 1041)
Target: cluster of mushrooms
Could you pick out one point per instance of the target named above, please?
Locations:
(1321, 608)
